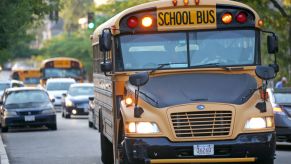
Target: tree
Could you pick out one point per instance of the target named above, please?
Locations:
(72, 11)
(16, 17)
(277, 18)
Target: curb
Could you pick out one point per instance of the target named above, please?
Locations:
(3, 155)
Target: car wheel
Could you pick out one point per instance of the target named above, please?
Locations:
(67, 116)
(53, 127)
(90, 124)
(4, 129)
(63, 115)
(106, 150)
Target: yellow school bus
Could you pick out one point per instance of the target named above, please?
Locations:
(31, 77)
(182, 82)
(62, 67)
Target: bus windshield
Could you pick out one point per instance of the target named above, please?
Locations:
(187, 49)
(60, 72)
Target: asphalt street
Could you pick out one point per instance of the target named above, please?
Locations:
(72, 143)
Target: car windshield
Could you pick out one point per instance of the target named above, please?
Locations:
(187, 49)
(54, 86)
(59, 72)
(27, 96)
(4, 86)
(282, 98)
(81, 91)
(31, 81)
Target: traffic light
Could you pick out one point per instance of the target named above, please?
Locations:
(91, 20)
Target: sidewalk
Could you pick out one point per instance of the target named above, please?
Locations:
(3, 154)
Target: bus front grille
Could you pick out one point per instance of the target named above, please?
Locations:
(202, 123)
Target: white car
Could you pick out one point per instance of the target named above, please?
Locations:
(9, 84)
(57, 88)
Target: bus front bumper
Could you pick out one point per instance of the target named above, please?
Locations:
(245, 148)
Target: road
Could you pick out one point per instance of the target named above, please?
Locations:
(72, 143)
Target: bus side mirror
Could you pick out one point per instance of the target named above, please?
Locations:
(265, 72)
(272, 44)
(105, 40)
(106, 66)
(91, 98)
(139, 79)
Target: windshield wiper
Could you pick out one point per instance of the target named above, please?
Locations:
(162, 66)
(213, 64)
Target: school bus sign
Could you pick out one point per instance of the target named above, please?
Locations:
(186, 18)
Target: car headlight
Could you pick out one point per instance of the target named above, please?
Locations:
(8, 113)
(259, 123)
(142, 127)
(48, 111)
(69, 103)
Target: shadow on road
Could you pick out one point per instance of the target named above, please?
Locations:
(283, 146)
(23, 130)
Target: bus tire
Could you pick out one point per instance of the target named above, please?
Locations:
(67, 116)
(106, 150)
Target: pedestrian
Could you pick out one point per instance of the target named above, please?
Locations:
(280, 84)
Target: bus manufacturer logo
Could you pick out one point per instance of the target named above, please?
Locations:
(200, 107)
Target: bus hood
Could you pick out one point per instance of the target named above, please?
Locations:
(169, 90)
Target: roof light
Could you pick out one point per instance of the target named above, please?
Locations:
(147, 21)
(175, 2)
(226, 18)
(242, 17)
(197, 2)
(132, 22)
(260, 22)
(186, 2)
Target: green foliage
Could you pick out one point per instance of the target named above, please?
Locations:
(73, 10)
(16, 17)
(76, 45)
(275, 21)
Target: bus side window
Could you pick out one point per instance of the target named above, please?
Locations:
(98, 58)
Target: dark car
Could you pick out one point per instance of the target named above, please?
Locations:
(281, 101)
(77, 99)
(26, 107)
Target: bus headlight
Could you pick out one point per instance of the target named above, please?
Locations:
(69, 103)
(259, 123)
(142, 127)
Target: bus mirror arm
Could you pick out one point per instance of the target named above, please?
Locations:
(138, 111)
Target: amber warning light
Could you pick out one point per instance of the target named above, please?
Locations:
(226, 18)
(147, 21)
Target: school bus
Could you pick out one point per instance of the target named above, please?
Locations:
(31, 77)
(183, 82)
(62, 67)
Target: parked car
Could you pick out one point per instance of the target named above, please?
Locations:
(77, 100)
(56, 88)
(9, 84)
(281, 102)
(21, 107)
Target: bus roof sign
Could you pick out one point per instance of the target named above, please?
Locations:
(188, 18)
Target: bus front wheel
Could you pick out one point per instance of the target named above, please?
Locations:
(106, 150)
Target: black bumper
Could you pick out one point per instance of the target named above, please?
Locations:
(40, 120)
(258, 146)
(80, 111)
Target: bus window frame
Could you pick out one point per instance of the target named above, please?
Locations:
(257, 56)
